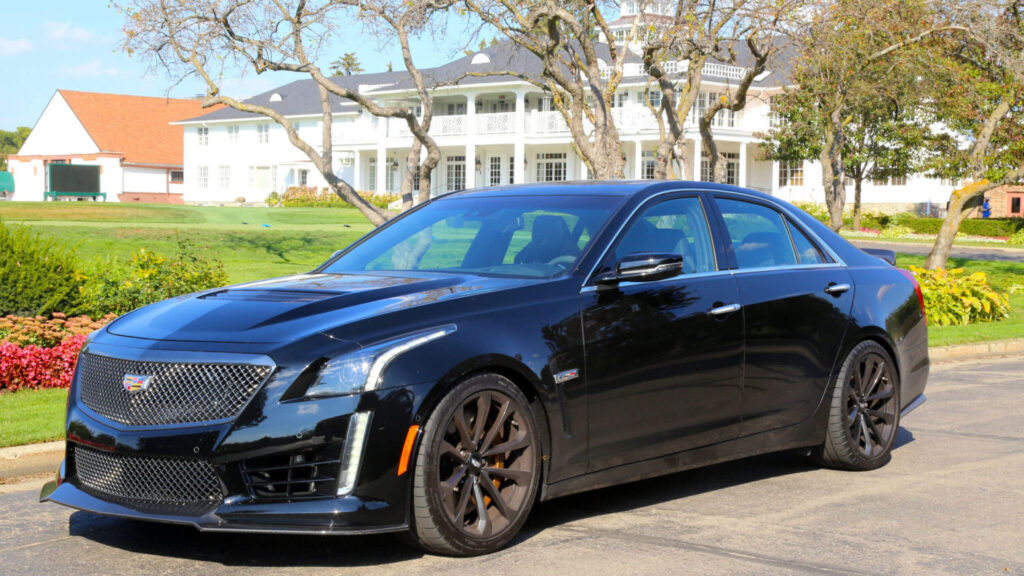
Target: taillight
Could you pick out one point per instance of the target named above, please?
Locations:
(917, 290)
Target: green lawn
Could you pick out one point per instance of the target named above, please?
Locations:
(253, 243)
(1002, 275)
(32, 416)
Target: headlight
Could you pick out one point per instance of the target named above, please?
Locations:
(361, 370)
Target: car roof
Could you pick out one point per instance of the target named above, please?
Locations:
(622, 188)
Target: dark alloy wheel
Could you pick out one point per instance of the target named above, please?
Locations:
(865, 411)
(478, 468)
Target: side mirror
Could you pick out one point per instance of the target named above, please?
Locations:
(645, 267)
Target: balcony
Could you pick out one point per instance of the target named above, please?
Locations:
(496, 123)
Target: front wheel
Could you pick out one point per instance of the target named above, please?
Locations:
(865, 411)
(477, 469)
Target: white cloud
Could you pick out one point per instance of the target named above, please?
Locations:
(14, 47)
(65, 31)
(90, 69)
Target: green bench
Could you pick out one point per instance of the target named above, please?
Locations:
(54, 195)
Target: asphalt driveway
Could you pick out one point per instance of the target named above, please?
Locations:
(950, 502)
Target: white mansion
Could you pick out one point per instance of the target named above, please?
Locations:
(491, 130)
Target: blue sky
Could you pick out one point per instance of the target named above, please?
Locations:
(73, 44)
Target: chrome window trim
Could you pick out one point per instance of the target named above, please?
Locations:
(837, 261)
(683, 277)
(169, 356)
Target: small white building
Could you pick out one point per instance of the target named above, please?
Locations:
(497, 130)
(129, 139)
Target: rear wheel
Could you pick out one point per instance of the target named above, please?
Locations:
(477, 469)
(865, 411)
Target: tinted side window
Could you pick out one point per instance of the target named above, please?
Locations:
(676, 226)
(758, 233)
(806, 251)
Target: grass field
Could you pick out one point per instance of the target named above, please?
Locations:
(253, 243)
(32, 416)
(1002, 275)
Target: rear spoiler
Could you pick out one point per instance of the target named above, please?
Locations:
(888, 256)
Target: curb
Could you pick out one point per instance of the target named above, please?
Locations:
(19, 461)
(974, 351)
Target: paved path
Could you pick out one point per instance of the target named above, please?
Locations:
(950, 502)
(972, 252)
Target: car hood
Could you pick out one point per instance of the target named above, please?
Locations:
(283, 309)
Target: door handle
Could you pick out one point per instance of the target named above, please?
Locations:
(724, 310)
(835, 289)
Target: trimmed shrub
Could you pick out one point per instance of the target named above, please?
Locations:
(39, 331)
(119, 287)
(1017, 239)
(37, 275)
(894, 231)
(33, 367)
(952, 298)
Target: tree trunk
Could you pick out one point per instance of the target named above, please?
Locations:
(857, 183)
(939, 254)
(831, 159)
(412, 163)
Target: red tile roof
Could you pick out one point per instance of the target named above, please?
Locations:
(137, 127)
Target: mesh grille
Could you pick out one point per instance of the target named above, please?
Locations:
(144, 479)
(178, 393)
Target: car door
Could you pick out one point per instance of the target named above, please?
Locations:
(796, 301)
(664, 359)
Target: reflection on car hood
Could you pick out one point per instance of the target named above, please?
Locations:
(283, 309)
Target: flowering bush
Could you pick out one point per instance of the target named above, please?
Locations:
(952, 298)
(312, 197)
(39, 331)
(33, 367)
(894, 231)
(1017, 239)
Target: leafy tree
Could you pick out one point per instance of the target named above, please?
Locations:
(347, 65)
(10, 143)
(979, 98)
(845, 52)
(886, 128)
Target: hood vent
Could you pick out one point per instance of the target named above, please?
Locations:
(283, 296)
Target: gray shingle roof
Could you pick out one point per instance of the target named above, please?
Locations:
(302, 97)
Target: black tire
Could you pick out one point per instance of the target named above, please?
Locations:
(463, 469)
(864, 415)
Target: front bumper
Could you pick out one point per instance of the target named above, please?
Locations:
(347, 515)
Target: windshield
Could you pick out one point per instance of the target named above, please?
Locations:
(520, 236)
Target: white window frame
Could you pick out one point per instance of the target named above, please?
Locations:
(494, 171)
(203, 133)
(263, 133)
(233, 134)
(791, 173)
(552, 167)
(371, 174)
(202, 177)
(224, 176)
(455, 173)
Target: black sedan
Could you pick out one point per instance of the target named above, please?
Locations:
(493, 348)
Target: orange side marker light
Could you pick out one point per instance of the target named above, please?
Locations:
(410, 439)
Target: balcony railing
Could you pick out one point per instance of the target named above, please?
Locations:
(496, 123)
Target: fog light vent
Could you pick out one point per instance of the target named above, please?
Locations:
(304, 474)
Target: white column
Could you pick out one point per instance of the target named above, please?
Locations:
(382, 159)
(696, 157)
(742, 177)
(638, 157)
(519, 141)
(583, 170)
(356, 170)
(775, 178)
(471, 141)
